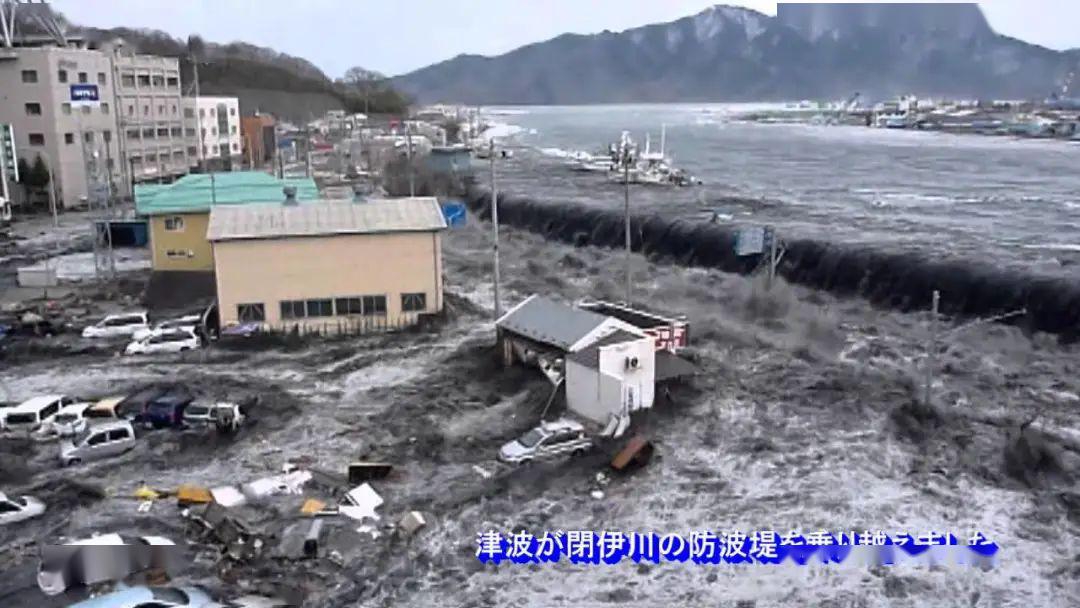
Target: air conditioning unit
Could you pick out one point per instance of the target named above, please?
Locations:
(632, 363)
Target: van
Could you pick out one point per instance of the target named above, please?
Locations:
(96, 442)
(32, 413)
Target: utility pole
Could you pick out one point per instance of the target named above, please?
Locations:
(626, 211)
(408, 152)
(495, 224)
(198, 118)
(931, 345)
(772, 258)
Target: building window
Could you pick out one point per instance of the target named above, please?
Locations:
(189, 132)
(202, 112)
(151, 157)
(374, 305)
(213, 131)
(62, 75)
(69, 138)
(86, 109)
(131, 110)
(106, 135)
(413, 302)
(232, 111)
(148, 133)
(82, 77)
(348, 306)
(66, 108)
(29, 76)
(247, 313)
(101, 78)
(189, 113)
(192, 151)
(88, 137)
(33, 109)
(236, 147)
(173, 82)
(233, 130)
(176, 131)
(174, 224)
(159, 81)
(127, 80)
(146, 110)
(104, 107)
(36, 139)
(133, 134)
(161, 109)
(211, 111)
(320, 308)
(144, 80)
(163, 132)
(292, 309)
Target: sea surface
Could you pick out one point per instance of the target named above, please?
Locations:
(1001, 200)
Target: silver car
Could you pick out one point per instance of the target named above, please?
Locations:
(99, 441)
(548, 440)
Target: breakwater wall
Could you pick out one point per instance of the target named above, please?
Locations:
(900, 280)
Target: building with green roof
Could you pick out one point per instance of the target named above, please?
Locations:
(179, 213)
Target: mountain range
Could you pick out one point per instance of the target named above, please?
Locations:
(730, 53)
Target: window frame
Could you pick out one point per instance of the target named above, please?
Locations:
(324, 307)
(174, 223)
(409, 301)
(243, 312)
(36, 139)
(29, 76)
(30, 108)
(289, 308)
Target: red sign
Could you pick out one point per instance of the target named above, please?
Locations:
(670, 338)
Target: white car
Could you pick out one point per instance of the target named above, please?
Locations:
(117, 326)
(169, 341)
(151, 597)
(16, 509)
(69, 421)
(97, 442)
(32, 414)
(550, 439)
(189, 322)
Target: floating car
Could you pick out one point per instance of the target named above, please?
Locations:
(117, 326)
(97, 442)
(225, 416)
(69, 421)
(186, 322)
(18, 508)
(105, 409)
(31, 414)
(548, 440)
(106, 557)
(151, 597)
(167, 410)
(168, 341)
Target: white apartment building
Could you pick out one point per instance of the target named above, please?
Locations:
(156, 144)
(60, 102)
(216, 123)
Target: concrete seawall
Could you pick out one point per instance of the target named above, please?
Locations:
(900, 280)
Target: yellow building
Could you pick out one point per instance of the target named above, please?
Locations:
(328, 266)
(179, 212)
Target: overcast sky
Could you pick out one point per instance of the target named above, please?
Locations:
(396, 36)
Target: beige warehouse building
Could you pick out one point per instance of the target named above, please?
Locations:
(328, 266)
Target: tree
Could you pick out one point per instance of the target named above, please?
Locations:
(196, 47)
(38, 176)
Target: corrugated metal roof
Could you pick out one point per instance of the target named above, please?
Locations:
(550, 322)
(267, 221)
(590, 355)
(196, 193)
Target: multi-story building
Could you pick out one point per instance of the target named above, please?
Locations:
(156, 144)
(61, 105)
(216, 123)
(260, 140)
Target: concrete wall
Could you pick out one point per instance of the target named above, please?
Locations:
(191, 239)
(596, 394)
(270, 271)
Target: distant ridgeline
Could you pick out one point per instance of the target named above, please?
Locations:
(262, 78)
(807, 51)
(902, 280)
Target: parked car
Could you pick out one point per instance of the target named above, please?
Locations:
(185, 322)
(168, 341)
(99, 559)
(31, 414)
(99, 441)
(17, 508)
(69, 421)
(117, 326)
(151, 597)
(104, 409)
(168, 409)
(550, 439)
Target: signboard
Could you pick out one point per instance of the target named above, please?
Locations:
(84, 94)
(669, 337)
(750, 241)
(8, 161)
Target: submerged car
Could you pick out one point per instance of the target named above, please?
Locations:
(167, 410)
(69, 421)
(548, 440)
(99, 441)
(189, 322)
(117, 326)
(32, 414)
(102, 558)
(168, 341)
(151, 597)
(18, 508)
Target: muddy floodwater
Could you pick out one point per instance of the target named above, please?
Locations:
(805, 416)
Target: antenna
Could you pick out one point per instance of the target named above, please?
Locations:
(663, 137)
